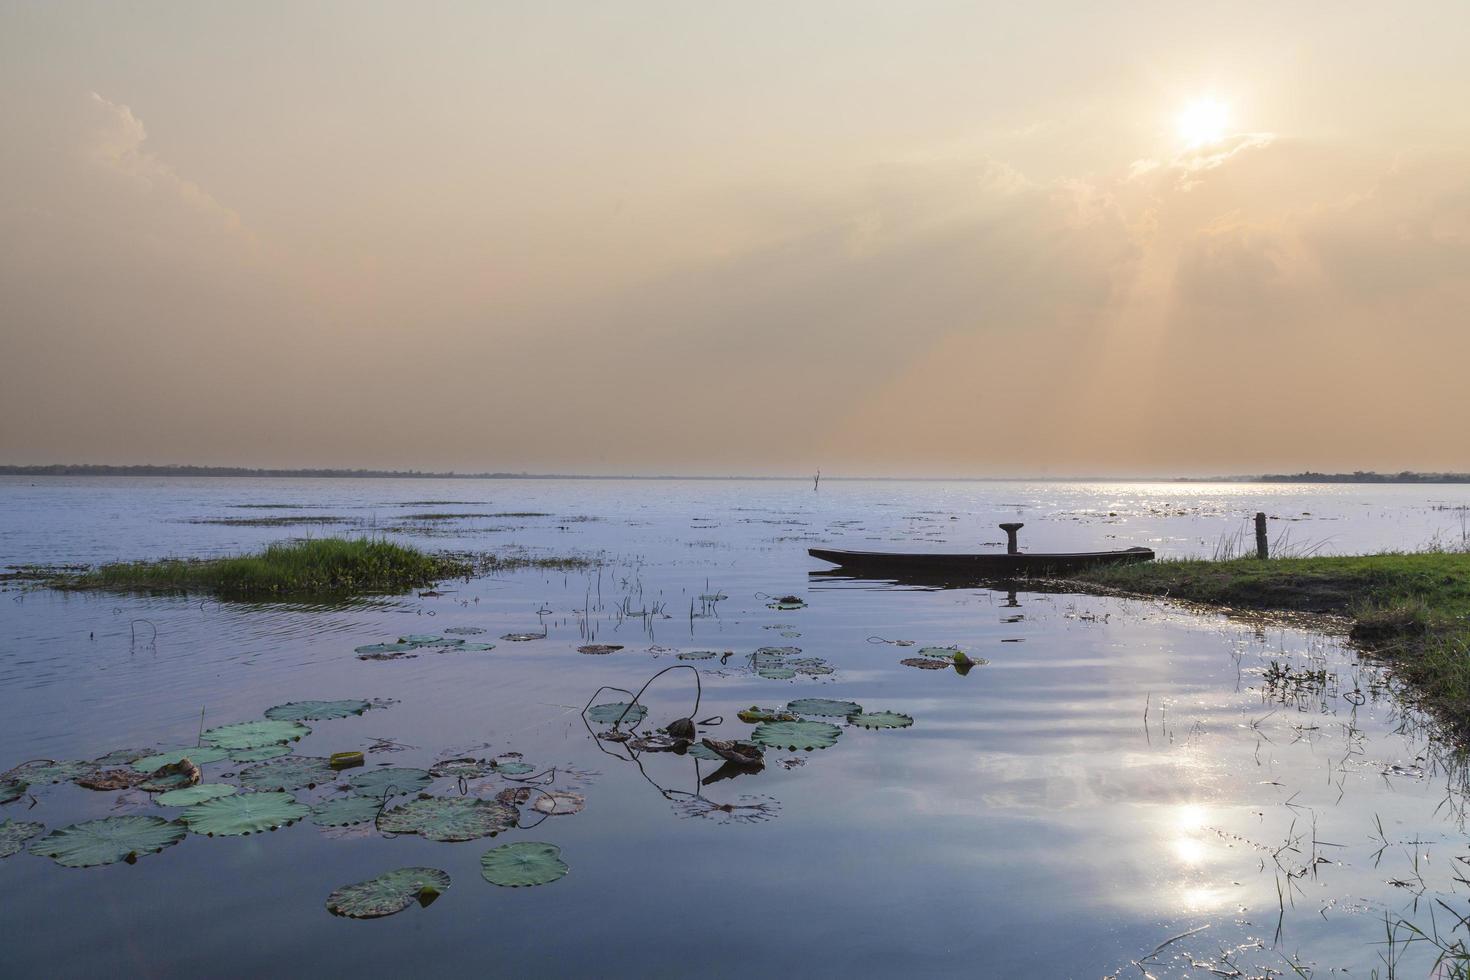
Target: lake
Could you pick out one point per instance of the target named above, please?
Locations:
(1121, 782)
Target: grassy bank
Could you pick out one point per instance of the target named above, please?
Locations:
(1412, 610)
(292, 569)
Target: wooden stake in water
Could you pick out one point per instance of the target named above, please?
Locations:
(1261, 551)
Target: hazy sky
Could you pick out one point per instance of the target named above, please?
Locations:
(898, 237)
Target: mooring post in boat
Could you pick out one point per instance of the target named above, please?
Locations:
(1261, 551)
(1010, 530)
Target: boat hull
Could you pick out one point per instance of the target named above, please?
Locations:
(995, 565)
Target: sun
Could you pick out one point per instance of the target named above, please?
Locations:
(1202, 122)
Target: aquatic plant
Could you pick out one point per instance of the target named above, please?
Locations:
(244, 813)
(108, 840)
(388, 893)
(316, 710)
(318, 566)
(614, 711)
(12, 790)
(458, 818)
(190, 795)
(823, 707)
(15, 833)
(557, 803)
(49, 771)
(522, 864)
(197, 754)
(255, 734)
(390, 781)
(880, 719)
(796, 735)
(289, 773)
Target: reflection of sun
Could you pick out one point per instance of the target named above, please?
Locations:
(1202, 122)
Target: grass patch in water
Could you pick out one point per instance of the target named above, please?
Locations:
(281, 521)
(288, 569)
(1410, 609)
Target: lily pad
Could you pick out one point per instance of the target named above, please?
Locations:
(261, 754)
(523, 637)
(289, 772)
(697, 655)
(12, 790)
(458, 818)
(191, 795)
(316, 710)
(346, 811)
(465, 630)
(824, 707)
(46, 771)
(755, 713)
(512, 767)
(943, 653)
(197, 754)
(422, 640)
(701, 751)
(522, 864)
(254, 734)
(776, 673)
(599, 649)
(388, 893)
(461, 768)
(796, 735)
(391, 781)
(476, 647)
(106, 841)
(558, 803)
(121, 757)
(14, 834)
(925, 663)
(606, 714)
(375, 650)
(111, 780)
(880, 719)
(244, 813)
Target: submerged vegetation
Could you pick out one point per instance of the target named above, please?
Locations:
(1412, 610)
(320, 566)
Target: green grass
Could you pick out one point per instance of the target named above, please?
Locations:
(290, 569)
(1412, 610)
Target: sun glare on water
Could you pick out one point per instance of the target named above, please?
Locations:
(1202, 122)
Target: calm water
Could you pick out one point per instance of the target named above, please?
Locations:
(1119, 772)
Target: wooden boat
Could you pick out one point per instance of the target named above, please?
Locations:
(978, 566)
(1011, 563)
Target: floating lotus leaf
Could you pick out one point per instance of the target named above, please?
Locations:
(388, 893)
(197, 754)
(121, 757)
(773, 654)
(523, 637)
(346, 811)
(12, 790)
(261, 754)
(795, 735)
(790, 634)
(391, 781)
(461, 768)
(606, 714)
(476, 647)
(701, 751)
(14, 834)
(254, 734)
(925, 663)
(190, 795)
(316, 710)
(374, 650)
(289, 772)
(814, 670)
(456, 818)
(698, 655)
(880, 719)
(824, 707)
(599, 648)
(944, 653)
(465, 630)
(514, 795)
(776, 673)
(786, 606)
(755, 713)
(559, 803)
(513, 767)
(244, 813)
(420, 639)
(111, 839)
(171, 777)
(523, 863)
(111, 780)
(47, 771)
